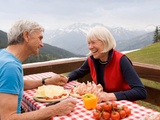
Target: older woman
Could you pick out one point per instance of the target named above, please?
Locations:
(110, 68)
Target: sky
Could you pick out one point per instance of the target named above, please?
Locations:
(53, 14)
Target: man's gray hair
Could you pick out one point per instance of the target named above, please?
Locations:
(15, 34)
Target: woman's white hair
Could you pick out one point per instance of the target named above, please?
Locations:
(15, 34)
(103, 34)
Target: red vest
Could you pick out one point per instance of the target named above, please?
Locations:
(113, 78)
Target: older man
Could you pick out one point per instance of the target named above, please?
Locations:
(25, 39)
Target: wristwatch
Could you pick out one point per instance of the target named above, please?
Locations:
(43, 80)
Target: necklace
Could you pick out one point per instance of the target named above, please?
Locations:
(103, 62)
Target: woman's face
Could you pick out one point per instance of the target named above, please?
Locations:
(96, 47)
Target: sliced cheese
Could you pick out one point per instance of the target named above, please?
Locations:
(49, 91)
(40, 92)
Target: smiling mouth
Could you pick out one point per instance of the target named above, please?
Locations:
(94, 52)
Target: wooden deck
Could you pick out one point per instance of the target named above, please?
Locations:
(146, 71)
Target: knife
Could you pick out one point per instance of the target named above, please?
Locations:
(52, 103)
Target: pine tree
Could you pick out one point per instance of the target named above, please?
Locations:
(156, 35)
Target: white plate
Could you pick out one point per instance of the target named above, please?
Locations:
(51, 100)
(76, 95)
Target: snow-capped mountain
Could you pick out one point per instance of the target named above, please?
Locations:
(73, 38)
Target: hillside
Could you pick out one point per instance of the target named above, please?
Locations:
(136, 42)
(48, 52)
(3, 39)
(149, 54)
(55, 51)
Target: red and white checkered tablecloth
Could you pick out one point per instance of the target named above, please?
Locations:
(80, 113)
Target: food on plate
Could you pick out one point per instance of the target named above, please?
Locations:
(110, 110)
(90, 101)
(50, 93)
(83, 88)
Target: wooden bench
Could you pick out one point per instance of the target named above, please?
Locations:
(146, 71)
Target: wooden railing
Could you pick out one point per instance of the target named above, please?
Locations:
(146, 71)
(152, 73)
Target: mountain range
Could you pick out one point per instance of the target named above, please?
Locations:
(71, 41)
(73, 38)
(48, 52)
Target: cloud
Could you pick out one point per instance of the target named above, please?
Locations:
(61, 13)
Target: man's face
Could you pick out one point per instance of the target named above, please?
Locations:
(35, 42)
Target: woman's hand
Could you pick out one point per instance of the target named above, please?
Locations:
(104, 96)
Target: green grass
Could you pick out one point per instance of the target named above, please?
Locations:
(149, 55)
(151, 83)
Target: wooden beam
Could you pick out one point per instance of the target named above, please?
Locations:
(153, 96)
(147, 71)
(56, 66)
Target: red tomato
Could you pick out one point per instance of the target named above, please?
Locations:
(64, 94)
(114, 105)
(81, 94)
(122, 114)
(97, 115)
(55, 97)
(128, 111)
(105, 115)
(99, 108)
(107, 106)
(72, 90)
(60, 96)
(124, 106)
(49, 98)
(115, 115)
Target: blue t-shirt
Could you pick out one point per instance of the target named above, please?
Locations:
(11, 76)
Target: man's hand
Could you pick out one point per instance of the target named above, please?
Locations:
(57, 79)
(64, 107)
